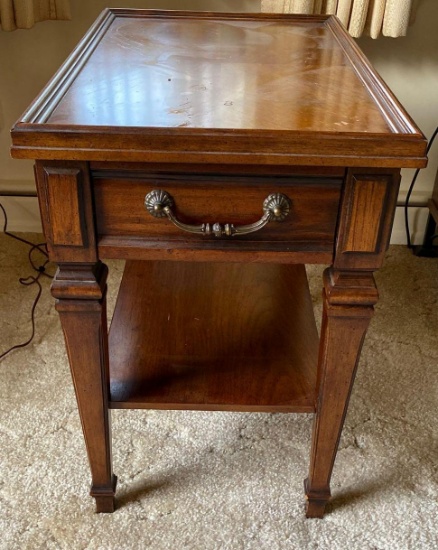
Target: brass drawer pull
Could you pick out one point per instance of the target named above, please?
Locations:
(276, 207)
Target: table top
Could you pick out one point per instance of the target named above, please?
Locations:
(213, 73)
(156, 82)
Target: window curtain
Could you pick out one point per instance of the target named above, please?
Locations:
(23, 14)
(371, 17)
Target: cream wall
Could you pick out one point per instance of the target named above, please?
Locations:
(29, 58)
(409, 65)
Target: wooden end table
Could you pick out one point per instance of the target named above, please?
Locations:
(217, 154)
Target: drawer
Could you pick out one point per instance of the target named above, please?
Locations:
(238, 200)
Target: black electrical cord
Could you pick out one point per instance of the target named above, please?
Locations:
(411, 187)
(28, 281)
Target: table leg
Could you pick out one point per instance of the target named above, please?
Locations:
(348, 308)
(80, 291)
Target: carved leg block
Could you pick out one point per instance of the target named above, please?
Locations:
(104, 497)
(80, 291)
(316, 501)
(348, 308)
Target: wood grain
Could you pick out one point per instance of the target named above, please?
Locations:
(348, 308)
(201, 81)
(213, 337)
(220, 110)
(365, 215)
(212, 88)
(280, 252)
(64, 194)
(84, 324)
(64, 189)
(224, 199)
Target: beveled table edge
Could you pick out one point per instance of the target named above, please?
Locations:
(32, 137)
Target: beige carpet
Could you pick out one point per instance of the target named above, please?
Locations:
(225, 480)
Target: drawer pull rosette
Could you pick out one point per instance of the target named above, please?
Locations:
(276, 207)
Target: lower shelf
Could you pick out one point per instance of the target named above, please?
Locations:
(221, 336)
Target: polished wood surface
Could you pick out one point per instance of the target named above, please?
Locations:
(366, 214)
(159, 86)
(220, 73)
(80, 293)
(213, 337)
(237, 200)
(344, 324)
(220, 110)
(65, 200)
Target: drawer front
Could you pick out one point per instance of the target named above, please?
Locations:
(314, 203)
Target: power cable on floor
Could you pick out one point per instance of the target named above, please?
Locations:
(31, 280)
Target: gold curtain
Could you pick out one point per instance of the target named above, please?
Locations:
(23, 14)
(371, 17)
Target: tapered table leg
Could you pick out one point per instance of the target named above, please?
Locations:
(348, 308)
(80, 290)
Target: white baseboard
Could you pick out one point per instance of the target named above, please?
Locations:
(417, 225)
(23, 216)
